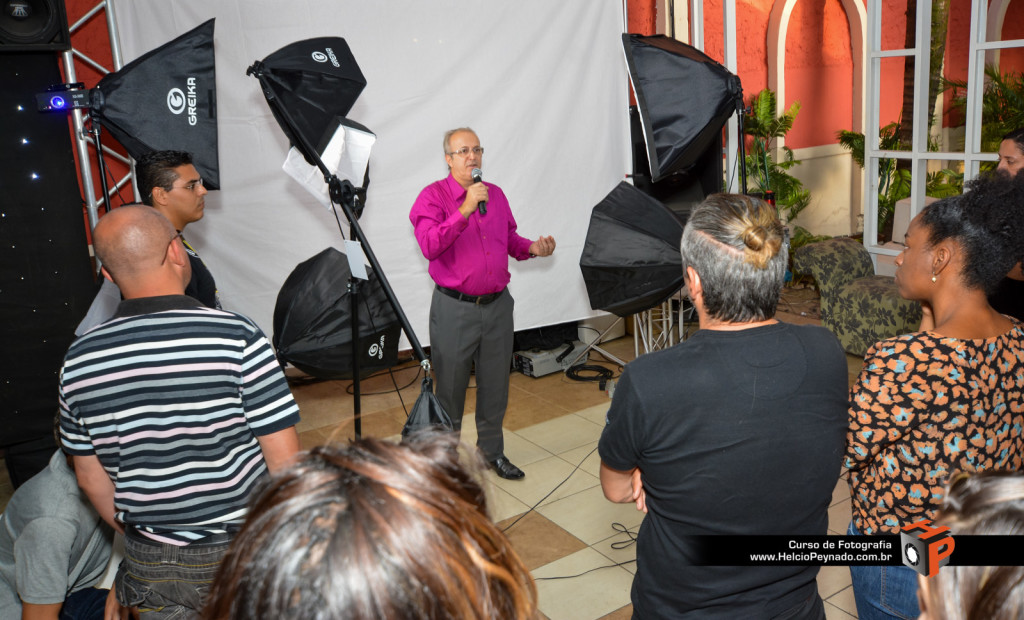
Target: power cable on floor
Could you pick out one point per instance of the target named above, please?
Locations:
(557, 486)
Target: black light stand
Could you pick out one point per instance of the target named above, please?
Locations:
(94, 122)
(343, 193)
(741, 111)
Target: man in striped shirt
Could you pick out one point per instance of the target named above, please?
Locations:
(173, 412)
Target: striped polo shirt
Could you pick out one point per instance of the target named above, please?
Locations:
(171, 396)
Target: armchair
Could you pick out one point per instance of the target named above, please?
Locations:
(859, 307)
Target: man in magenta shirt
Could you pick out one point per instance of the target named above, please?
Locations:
(471, 309)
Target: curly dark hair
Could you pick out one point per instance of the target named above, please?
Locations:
(156, 169)
(987, 221)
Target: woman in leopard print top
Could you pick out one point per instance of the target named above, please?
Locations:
(947, 399)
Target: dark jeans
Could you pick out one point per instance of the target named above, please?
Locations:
(86, 604)
(166, 581)
(884, 592)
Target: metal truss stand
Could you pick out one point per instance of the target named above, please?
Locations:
(655, 329)
(81, 136)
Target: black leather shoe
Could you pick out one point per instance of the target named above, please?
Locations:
(504, 468)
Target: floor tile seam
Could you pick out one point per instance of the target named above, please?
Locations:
(519, 434)
(579, 464)
(531, 442)
(840, 501)
(575, 414)
(593, 569)
(552, 403)
(608, 542)
(554, 499)
(838, 592)
(535, 505)
(845, 613)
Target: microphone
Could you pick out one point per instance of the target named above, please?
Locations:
(478, 175)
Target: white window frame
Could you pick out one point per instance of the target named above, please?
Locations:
(919, 155)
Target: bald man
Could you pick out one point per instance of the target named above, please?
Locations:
(173, 412)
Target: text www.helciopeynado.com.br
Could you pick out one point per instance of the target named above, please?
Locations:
(842, 552)
(796, 550)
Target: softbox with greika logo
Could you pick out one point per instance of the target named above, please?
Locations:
(166, 100)
(316, 81)
(313, 320)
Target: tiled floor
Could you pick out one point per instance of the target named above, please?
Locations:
(575, 542)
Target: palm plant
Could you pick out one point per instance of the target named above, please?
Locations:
(761, 124)
(1002, 104)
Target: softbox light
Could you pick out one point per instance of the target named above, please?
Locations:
(684, 98)
(631, 260)
(316, 81)
(166, 100)
(313, 320)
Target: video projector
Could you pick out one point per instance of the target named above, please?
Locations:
(537, 363)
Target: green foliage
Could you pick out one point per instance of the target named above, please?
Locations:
(762, 170)
(1002, 105)
(893, 181)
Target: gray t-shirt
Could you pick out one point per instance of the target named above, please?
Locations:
(52, 541)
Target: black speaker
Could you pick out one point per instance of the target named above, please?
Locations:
(46, 280)
(33, 26)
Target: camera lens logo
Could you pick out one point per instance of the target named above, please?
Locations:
(926, 548)
(910, 553)
(176, 101)
(319, 56)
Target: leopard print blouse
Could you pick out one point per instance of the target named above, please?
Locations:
(924, 408)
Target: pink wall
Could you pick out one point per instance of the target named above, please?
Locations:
(1013, 28)
(819, 65)
(819, 72)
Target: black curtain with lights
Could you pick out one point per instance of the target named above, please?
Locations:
(46, 281)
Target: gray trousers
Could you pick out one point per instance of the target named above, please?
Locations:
(461, 334)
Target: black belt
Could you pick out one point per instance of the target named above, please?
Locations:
(480, 300)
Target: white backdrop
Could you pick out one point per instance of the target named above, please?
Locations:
(543, 83)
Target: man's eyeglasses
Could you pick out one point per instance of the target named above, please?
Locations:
(464, 151)
(189, 186)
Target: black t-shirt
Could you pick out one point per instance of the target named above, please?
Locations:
(738, 432)
(201, 286)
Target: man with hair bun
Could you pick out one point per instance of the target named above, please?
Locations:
(739, 430)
